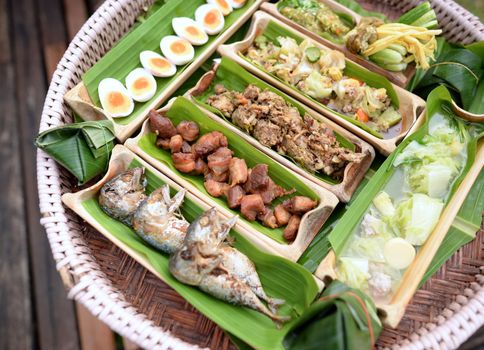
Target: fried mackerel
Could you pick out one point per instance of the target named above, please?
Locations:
(158, 221)
(209, 263)
(251, 190)
(121, 196)
(275, 124)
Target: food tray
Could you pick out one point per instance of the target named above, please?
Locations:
(84, 203)
(399, 78)
(393, 311)
(310, 224)
(79, 100)
(411, 106)
(139, 306)
(353, 173)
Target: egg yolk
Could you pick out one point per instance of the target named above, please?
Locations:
(193, 31)
(239, 2)
(178, 47)
(223, 4)
(115, 99)
(141, 83)
(211, 18)
(116, 102)
(160, 63)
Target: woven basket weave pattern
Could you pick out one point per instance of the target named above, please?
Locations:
(132, 301)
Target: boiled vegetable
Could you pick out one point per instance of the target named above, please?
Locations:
(416, 217)
(419, 42)
(399, 254)
(384, 204)
(354, 271)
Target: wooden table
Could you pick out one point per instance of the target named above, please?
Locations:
(34, 310)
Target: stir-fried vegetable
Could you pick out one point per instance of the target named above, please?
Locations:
(394, 45)
(315, 16)
(320, 74)
(419, 42)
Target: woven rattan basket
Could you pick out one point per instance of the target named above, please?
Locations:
(444, 313)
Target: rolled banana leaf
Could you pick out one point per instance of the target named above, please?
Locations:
(342, 319)
(82, 148)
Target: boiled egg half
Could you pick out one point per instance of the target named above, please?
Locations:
(187, 28)
(236, 4)
(156, 64)
(223, 5)
(114, 98)
(177, 50)
(141, 85)
(210, 18)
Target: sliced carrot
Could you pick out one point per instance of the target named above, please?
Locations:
(362, 116)
(242, 100)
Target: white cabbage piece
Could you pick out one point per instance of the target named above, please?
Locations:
(348, 88)
(384, 204)
(302, 71)
(432, 179)
(332, 58)
(371, 226)
(353, 272)
(370, 248)
(317, 86)
(416, 217)
(289, 46)
(442, 142)
(374, 99)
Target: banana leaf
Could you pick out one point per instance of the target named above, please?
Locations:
(309, 5)
(183, 109)
(438, 104)
(274, 30)
(82, 148)
(280, 278)
(124, 57)
(460, 69)
(320, 246)
(235, 77)
(464, 228)
(342, 319)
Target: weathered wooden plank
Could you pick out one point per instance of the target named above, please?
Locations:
(93, 5)
(16, 318)
(129, 345)
(56, 326)
(53, 32)
(75, 13)
(93, 333)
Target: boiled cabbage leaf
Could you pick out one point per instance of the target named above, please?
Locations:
(354, 272)
(416, 217)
